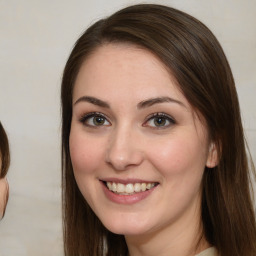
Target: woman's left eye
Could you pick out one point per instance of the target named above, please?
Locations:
(159, 121)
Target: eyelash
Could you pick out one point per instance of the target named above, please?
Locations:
(86, 118)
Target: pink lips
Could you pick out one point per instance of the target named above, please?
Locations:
(126, 199)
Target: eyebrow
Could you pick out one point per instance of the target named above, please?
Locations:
(143, 104)
(94, 101)
(153, 101)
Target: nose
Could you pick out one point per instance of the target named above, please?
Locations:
(124, 150)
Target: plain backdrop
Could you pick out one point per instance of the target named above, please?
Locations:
(36, 37)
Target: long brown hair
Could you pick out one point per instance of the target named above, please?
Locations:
(193, 55)
(4, 152)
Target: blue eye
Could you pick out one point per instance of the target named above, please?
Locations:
(95, 119)
(159, 120)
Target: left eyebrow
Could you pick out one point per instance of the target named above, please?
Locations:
(153, 101)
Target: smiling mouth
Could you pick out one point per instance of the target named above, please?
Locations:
(130, 188)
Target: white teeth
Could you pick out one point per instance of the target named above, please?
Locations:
(148, 186)
(137, 187)
(109, 185)
(120, 188)
(129, 188)
(114, 187)
(143, 186)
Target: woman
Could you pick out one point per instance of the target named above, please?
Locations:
(153, 151)
(4, 165)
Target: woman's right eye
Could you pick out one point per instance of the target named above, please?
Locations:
(95, 120)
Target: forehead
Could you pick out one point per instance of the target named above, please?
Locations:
(123, 56)
(124, 66)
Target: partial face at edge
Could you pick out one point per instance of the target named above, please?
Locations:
(4, 190)
(138, 151)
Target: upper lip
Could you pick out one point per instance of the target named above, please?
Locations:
(127, 181)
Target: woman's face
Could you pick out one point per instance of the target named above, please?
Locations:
(137, 148)
(3, 194)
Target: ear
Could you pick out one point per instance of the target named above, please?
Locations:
(213, 158)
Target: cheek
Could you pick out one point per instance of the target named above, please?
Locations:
(85, 154)
(178, 156)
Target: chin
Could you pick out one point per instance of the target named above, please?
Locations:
(125, 227)
(126, 231)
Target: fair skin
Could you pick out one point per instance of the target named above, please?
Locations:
(3, 194)
(132, 125)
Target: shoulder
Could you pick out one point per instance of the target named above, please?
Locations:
(208, 252)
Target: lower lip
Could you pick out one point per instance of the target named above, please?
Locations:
(126, 199)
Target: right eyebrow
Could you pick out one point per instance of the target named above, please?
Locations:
(93, 100)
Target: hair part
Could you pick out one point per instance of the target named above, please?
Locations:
(195, 58)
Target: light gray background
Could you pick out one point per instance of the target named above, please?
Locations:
(35, 40)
